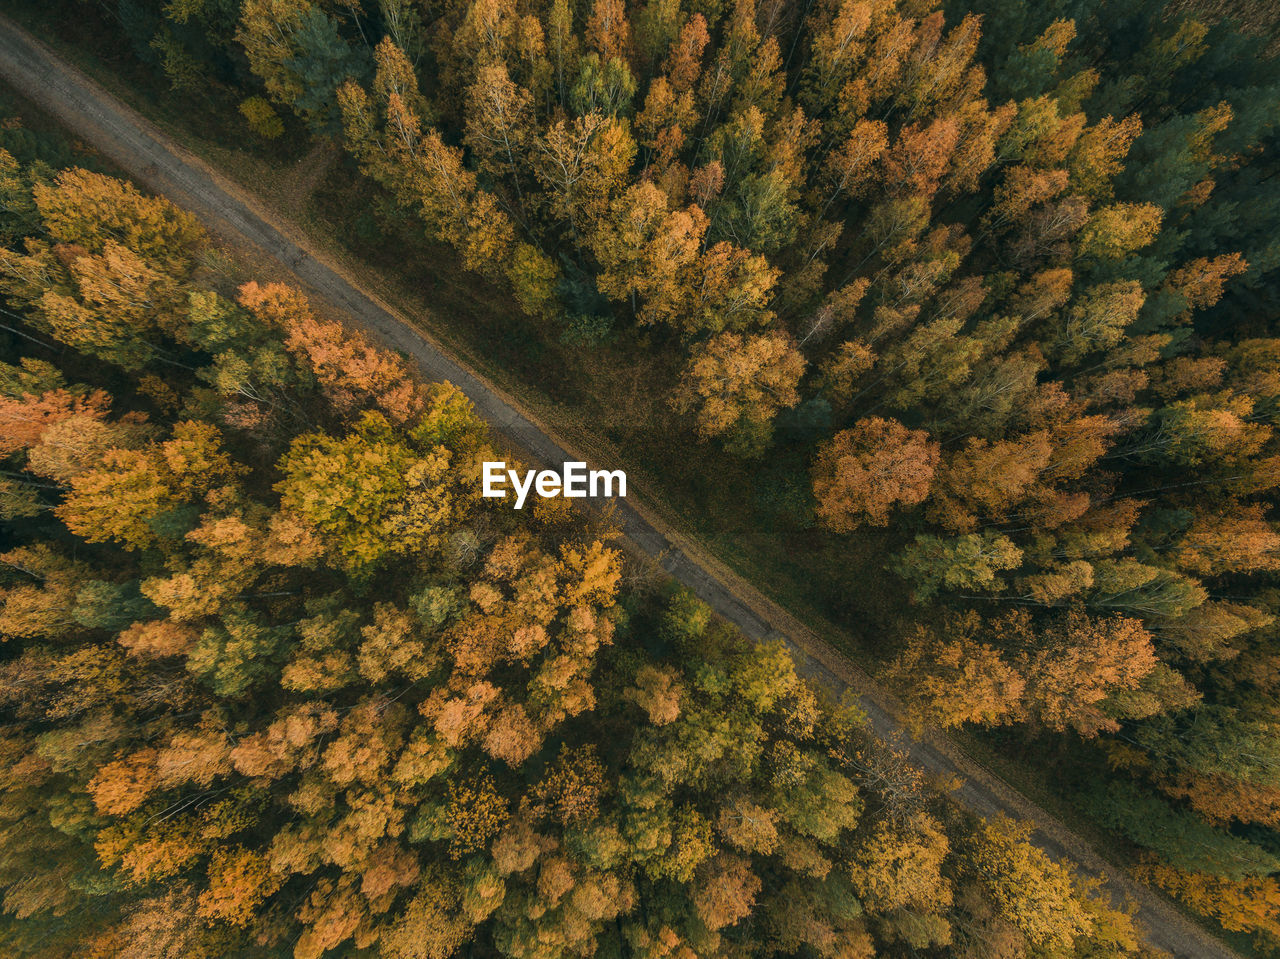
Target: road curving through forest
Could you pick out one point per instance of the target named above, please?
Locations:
(155, 161)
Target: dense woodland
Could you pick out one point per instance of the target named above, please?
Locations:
(1002, 275)
(277, 681)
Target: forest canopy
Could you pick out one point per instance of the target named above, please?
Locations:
(277, 680)
(982, 293)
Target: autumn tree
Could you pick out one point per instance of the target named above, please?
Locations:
(866, 471)
(737, 384)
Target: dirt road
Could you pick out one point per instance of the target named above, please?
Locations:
(134, 145)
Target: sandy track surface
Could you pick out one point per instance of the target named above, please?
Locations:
(147, 154)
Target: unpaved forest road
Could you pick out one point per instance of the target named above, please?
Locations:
(135, 145)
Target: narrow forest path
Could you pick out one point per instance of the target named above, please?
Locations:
(136, 146)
